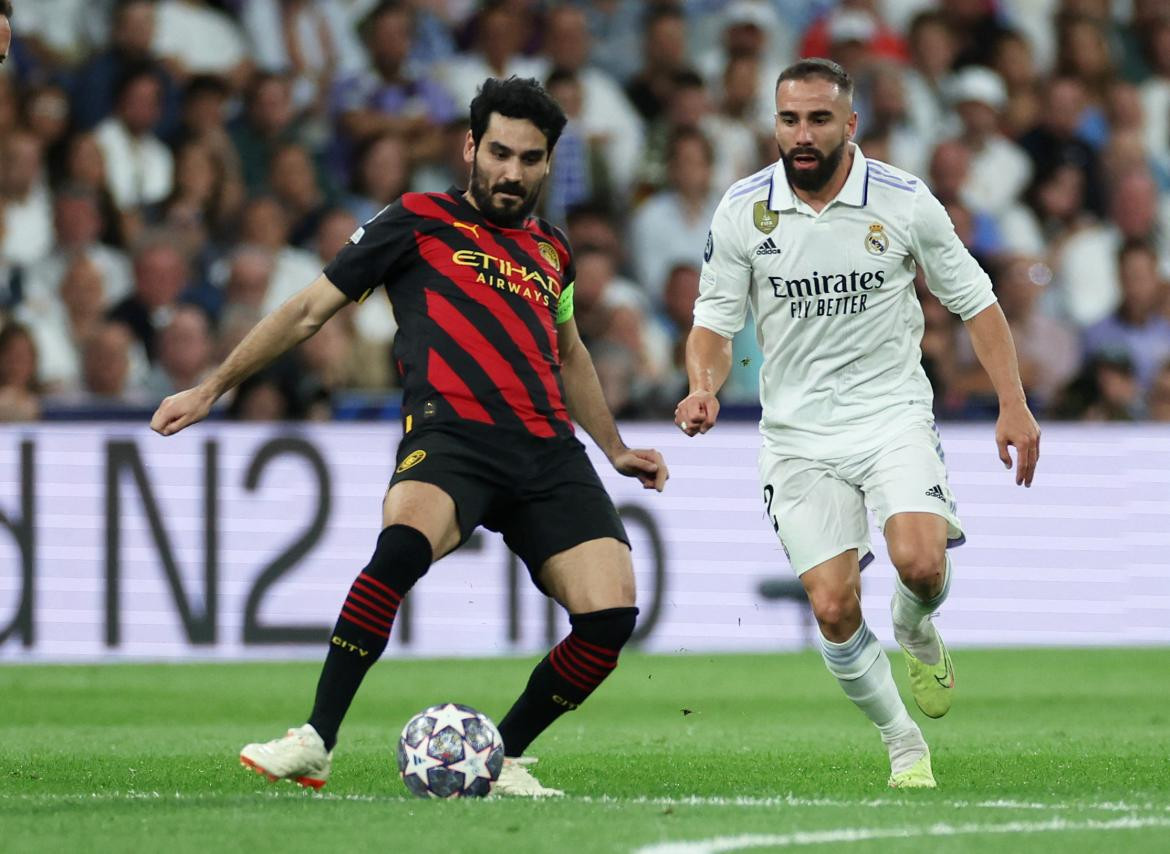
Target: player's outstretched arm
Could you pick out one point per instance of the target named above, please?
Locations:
(297, 319)
(586, 404)
(1015, 427)
(708, 364)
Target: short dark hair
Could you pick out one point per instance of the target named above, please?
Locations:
(6, 9)
(132, 74)
(825, 69)
(517, 98)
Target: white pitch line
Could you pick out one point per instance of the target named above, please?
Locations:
(290, 792)
(721, 844)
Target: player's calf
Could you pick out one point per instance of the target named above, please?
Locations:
(402, 557)
(568, 674)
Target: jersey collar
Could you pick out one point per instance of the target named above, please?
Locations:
(854, 192)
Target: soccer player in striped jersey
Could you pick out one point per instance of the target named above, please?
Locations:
(824, 247)
(492, 371)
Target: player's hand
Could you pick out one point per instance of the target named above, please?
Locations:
(1017, 428)
(181, 410)
(646, 464)
(696, 413)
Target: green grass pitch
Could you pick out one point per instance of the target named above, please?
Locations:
(1044, 750)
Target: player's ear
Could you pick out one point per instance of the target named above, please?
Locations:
(469, 149)
(851, 126)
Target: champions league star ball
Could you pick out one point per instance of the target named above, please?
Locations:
(450, 751)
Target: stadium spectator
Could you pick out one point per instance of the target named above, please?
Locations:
(1138, 328)
(1086, 264)
(889, 118)
(94, 86)
(735, 148)
(580, 172)
(500, 32)
(1104, 390)
(63, 322)
(295, 184)
(19, 388)
(933, 48)
(203, 205)
(606, 116)
(671, 225)
(160, 277)
(1013, 60)
(310, 41)
(1048, 347)
(193, 37)
(185, 350)
(751, 32)
(106, 370)
(382, 175)
(28, 208)
(267, 123)
(392, 95)
(1083, 53)
(664, 52)
(206, 104)
(139, 168)
(1000, 170)
(976, 26)
(1056, 140)
(854, 20)
(1158, 400)
(78, 228)
(1155, 91)
(46, 111)
(950, 177)
(265, 225)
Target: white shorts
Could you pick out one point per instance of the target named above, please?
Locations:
(818, 507)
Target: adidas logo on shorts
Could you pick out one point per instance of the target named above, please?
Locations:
(768, 247)
(936, 492)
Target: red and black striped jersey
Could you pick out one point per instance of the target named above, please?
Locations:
(477, 308)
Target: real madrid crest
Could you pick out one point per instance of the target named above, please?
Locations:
(549, 254)
(876, 242)
(765, 220)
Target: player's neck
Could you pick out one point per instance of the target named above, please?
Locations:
(817, 199)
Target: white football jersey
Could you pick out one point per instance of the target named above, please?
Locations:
(833, 299)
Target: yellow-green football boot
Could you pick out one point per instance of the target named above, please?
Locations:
(917, 776)
(933, 684)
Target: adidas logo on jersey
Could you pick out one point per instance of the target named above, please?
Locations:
(936, 492)
(768, 247)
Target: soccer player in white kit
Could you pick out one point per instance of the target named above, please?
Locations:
(824, 246)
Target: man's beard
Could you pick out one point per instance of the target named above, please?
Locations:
(510, 216)
(813, 179)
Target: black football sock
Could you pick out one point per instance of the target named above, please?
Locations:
(402, 556)
(567, 675)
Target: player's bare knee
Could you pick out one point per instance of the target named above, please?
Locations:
(837, 612)
(921, 571)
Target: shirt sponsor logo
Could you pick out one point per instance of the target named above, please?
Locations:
(827, 294)
(506, 275)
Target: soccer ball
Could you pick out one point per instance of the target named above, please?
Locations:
(450, 751)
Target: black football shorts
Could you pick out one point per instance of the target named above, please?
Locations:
(543, 495)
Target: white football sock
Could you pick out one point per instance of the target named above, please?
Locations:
(912, 626)
(863, 671)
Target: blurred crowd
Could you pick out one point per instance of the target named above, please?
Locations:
(171, 170)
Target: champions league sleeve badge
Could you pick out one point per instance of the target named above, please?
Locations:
(709, 249)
